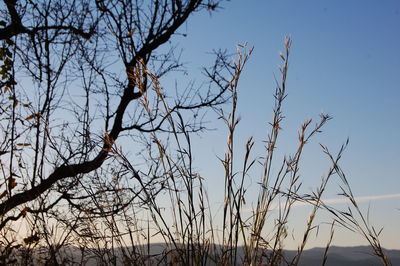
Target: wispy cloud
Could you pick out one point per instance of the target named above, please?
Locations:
(364, 199)
(332, 201)
(358, 199)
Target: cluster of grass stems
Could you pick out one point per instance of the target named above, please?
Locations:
(176, 211)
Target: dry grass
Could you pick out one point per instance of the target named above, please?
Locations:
(173, 205)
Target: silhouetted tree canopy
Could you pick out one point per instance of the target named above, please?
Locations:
(76, 76)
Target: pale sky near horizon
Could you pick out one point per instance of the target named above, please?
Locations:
(345, 62)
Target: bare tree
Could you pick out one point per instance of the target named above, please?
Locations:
(76, 77)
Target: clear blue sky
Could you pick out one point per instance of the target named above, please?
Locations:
(345, 61)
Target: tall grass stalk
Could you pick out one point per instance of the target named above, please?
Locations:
(170, 202)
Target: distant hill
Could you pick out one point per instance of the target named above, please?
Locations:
(345, 256)
(337, 256)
